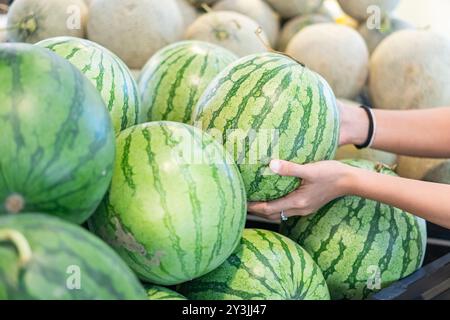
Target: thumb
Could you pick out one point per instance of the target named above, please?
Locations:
(289, 169)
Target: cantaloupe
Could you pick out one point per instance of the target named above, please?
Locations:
(259, 11)
(230, 30)
(411, 69)
(374, 36)
(34, 20)
(3, 25)
(188, 12)
(135, 29)
(337, 52)
(434, 170)
(293, 26)
(360, 9)
(292, 8)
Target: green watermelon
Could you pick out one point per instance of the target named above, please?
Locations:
(269, 106)
(45, 258)
(57, 140)
(360, 245)
(107, 72)
(161, 293)
(176, 208)
(174, 78)
(265, 266)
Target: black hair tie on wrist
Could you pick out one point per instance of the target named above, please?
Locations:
(371, 133)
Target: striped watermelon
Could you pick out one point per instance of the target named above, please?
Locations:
(268, 106)
(107, 72)
(177, 205)
(57, 141)
(265, 266)
(161, 293)
(174, 78)
(359, 242)
(45, 258)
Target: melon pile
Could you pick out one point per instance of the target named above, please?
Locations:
(135, 132)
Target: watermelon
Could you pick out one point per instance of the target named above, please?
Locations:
(162, 293)
(259, 11)
(292, 8)
(360, 245)
(135, 29)
(174, 78)
(265, 266)
(57, 141)
(107, 72)
(231, 30)
(176, 208)
(295, 25)
(360, 9)
(35, 20)
(45, 258)
(269, 106)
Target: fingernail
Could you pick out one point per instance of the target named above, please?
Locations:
(275, 166)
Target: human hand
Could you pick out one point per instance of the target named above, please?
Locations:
(322, 182)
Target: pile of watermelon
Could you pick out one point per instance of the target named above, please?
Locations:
(117, 188)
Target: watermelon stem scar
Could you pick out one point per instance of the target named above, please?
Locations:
(14, 203)
(20, 242)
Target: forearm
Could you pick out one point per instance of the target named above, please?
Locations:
(427, 200)
(421, 133)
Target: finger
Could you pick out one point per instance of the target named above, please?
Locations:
(289, 169)
(274, 207)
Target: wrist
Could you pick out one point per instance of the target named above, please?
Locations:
(354, 125)
(348, 184)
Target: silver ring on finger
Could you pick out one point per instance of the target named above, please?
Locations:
(283, 216)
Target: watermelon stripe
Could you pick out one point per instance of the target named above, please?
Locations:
(172, 241)
(271, 91)
(351, 234)
(127, 169)
(168, 223)
(103, 69)
(176, 85)
(263, 280)
(175, 77)
(265, 266)
(70, 245)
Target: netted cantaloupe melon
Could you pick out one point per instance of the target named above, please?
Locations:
(374, 36)
(292, 8)
(231, 30)
(434, 170)
(259, 11)
(188, 12)
(361, 9)
(411, 69)
(34, 20)
(336, 52)
(295, 25)
(134, 29)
